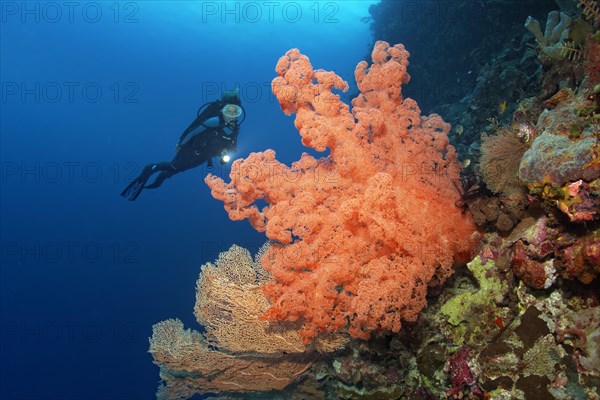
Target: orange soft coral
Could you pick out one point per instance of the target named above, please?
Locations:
(362, 233)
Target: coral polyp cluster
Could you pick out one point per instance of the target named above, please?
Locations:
(381, 229)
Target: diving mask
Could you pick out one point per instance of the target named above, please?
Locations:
(231, 113)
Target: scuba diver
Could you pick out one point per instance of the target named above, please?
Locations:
(212, 134)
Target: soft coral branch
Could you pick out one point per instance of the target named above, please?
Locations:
(361, 233)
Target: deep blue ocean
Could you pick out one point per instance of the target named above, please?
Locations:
(91, 93)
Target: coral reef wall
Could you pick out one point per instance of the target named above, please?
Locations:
(364, 237)
(454, 39)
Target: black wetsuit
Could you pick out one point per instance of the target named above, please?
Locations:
(207, 142)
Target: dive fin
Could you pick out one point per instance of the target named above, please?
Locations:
(133, 190)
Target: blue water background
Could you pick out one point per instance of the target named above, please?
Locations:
(88, 99)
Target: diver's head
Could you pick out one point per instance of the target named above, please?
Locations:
(231, 96)
(231, 113)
